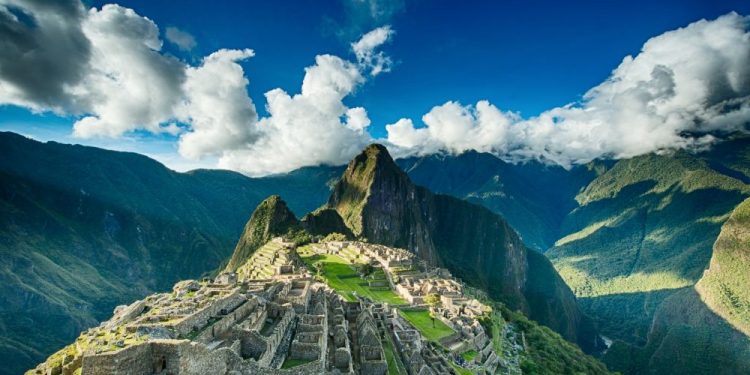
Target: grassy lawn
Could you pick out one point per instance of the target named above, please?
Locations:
(469, 355)
(421, 321)
(341, 277)
(289, 363)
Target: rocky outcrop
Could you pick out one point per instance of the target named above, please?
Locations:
(324, 221)
(377, 201)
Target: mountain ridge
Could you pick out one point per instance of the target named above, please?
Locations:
(83, 230)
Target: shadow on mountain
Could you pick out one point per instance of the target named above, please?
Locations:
(535, 213)
(625, 316)
(646, 232)
(685, 335)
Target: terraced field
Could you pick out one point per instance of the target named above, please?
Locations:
(421, 320)
(262, 263)
(340, 275)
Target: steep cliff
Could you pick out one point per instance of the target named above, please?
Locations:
(725, 285)
(324, 221)
(378, 201)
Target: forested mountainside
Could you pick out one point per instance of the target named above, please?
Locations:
(635, 239)
(533, 197)
(631, 237)
(83, 230)
(704, 328)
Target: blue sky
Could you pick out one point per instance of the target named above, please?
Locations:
(522, 56)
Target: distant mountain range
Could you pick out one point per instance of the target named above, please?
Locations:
(84, 229)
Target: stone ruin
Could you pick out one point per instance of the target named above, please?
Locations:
(267, 318)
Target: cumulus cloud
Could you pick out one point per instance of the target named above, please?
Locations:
(310, 128)
(683, 87)
(129, 84)
(376, 61)
(182, 39)
(106, 68)
(121, 82)
(102, 66)
(221, 114)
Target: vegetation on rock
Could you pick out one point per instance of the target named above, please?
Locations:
(272, 218)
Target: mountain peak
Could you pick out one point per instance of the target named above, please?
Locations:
(271, 218)
(374, 156)
(376, 150)
(373, 170)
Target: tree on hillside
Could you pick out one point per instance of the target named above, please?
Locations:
(366, 269)
(433, 300)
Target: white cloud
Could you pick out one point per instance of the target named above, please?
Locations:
(364, 49)
(123, 83)
(357, 120)
(220, 113)
(681, 86)
(182, 39)
(129, 84)
(307, 128)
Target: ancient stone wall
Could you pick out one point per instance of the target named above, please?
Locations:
(252, 344)
(166, 356)
(134, 360)
(227, 322)
(200, 318)
(196, 359)
(310, 368)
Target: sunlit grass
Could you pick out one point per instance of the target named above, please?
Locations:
(340, 276)
(583, 233)
(422, 321)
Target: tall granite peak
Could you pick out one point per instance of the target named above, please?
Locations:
(378, 202)
(271, 218)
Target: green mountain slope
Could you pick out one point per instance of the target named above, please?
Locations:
(533, 197)
(644, 229)
(725, 285)
(378, 201)
(706, 329)
(83, 230)
(272, 218)
(632, 240)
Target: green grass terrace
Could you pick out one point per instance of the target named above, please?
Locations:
(344, 279)
(289, 363)
(422, 321)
